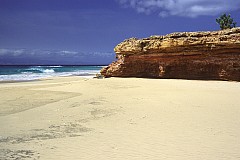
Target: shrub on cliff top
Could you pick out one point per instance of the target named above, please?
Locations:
(226, 22)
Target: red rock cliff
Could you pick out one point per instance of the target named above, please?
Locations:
(184, 55)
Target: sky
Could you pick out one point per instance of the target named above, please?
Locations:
(83, 32)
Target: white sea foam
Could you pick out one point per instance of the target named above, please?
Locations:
(37, 68)
(40, 69)
(48, 73)
(39, 72)
(56, 66)
(21, 77)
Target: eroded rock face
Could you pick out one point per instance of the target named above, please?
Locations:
(184, 55)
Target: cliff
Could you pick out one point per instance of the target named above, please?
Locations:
(183, 55)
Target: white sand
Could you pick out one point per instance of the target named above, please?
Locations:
(133, 119)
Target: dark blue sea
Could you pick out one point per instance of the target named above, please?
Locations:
(22, 73)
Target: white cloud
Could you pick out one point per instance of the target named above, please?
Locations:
(3, 51)
(39, 56)
(18, 52)
(68, 52)
(51, 53)
(185, 8)
(14, 52)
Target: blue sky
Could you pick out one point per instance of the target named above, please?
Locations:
(86, 31)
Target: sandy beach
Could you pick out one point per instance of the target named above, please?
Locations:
(120, 118)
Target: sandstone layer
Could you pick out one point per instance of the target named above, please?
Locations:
(182, 55)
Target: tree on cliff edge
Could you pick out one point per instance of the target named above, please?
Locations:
(226, 22)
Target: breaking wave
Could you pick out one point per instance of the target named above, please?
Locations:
(20, 73)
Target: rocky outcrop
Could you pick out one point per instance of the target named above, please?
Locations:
(184, 55)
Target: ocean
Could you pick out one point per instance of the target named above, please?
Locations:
(25, 73)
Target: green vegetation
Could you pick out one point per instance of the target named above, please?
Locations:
(226, 22)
